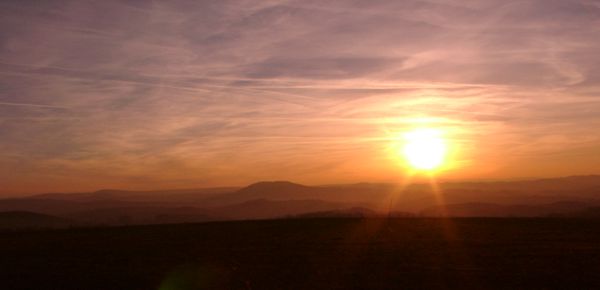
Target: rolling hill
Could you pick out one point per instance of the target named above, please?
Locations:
(273, 199)
(11, 220)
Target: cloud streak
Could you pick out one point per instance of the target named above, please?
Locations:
(182, 93)
(30, 105)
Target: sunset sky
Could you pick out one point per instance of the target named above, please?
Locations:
(184, 94)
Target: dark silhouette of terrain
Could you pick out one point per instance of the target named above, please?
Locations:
(499, 210)
(316, 237)
(590, 212)
(305, 253)
(355, 212)
(13, 220)
(567, 197)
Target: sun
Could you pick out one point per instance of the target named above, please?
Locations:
(424, 148)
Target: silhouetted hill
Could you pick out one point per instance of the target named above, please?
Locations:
(590, 212)
(135, 215)
(284, 190)
(253, 209)
(262, 208)
(274, 186)
(26, 219)
(275, 190)
(281, 198)
(61, 207)
(169, 196)
(575, 185)
(349, 213)
(479, 209)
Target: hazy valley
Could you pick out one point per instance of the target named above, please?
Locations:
(576, 196)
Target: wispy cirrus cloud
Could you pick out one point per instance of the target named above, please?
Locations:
(184, 93)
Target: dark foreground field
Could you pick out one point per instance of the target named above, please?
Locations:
(309, 254)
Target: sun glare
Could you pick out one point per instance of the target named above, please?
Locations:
(424, 148)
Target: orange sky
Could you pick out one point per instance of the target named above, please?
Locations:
(180, 94)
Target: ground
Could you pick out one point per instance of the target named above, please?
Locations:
(407, 253)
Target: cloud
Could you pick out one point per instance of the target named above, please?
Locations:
(30, 105)
(185, 93)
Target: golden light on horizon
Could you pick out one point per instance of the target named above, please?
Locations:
(424, 148)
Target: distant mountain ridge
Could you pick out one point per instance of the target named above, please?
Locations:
(273, 185)
(273, 199)
(145, 196)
